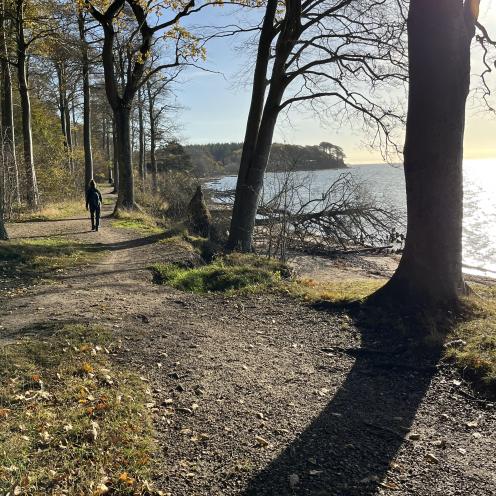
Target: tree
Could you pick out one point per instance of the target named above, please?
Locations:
(157, 92)
(318, 49)
(22, 45)
(3, 174)
(430, 270)
(8, 131)
(139, 34)
(85, 64)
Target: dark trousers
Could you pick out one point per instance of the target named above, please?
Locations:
(95, 217)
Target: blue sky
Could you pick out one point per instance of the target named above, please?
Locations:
(216, 105)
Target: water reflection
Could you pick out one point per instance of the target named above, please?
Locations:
(388, 184)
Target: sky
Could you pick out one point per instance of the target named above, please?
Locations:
(216, 103)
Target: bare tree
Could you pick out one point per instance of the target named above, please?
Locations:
(139, 33)
(338, 50)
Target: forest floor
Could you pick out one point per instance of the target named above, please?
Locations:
(263, 394)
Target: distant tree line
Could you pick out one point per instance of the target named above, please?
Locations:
(224, 158)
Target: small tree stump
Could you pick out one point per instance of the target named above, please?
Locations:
(199, 217)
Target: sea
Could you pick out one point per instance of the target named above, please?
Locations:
(387, 183)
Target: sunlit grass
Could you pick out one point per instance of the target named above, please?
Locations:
(138, 221)
(55, 211)
(42, 258)
(70, 421)
(340, 291)
(228, 274)
(474, 348)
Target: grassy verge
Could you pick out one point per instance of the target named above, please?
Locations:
(339, 292)
(70, 422)
(227, 274)
(472, 343)
(55, 211)
(138, 221)
(40, 258)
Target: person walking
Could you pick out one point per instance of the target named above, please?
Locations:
(94, 202)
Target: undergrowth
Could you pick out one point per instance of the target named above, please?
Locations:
(70, 421)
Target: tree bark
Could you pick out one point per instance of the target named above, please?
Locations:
(122, 116)
(141, 138)
(88, 152)
(7, 107)
(3, 181)
(430, 270)
(32, 196)
(261, 123)
(68, 130)
(115, 158)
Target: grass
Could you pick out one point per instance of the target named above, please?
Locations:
(228, 274)
(41, 257)
(339, 292)
(473, 340)
(71, 422)
(138, 221)
(55, 211)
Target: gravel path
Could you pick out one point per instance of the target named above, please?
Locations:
(264, 394)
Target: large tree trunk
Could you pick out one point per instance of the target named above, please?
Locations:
(430, 271)
(32, 197)
(261, 123)
(88, 152)
(8, 108)
(239, 238)
(115, 158)
(125, 198)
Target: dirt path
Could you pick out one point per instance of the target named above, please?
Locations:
(265, 395)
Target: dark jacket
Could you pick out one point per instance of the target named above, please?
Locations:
(93, 198)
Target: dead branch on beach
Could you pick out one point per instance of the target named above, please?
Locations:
(345, 217)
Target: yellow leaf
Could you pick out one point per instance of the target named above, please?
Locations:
(125, 479)
(87, 368)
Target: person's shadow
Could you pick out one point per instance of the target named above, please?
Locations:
(348, 449)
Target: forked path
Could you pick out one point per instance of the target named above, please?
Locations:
(263, 394)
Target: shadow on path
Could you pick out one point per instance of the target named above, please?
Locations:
(348, 448)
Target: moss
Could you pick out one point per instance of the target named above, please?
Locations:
(70, 420)
(228, 274)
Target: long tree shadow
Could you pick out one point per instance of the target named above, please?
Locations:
(348, 448)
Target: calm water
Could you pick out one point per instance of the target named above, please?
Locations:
(388, 183)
